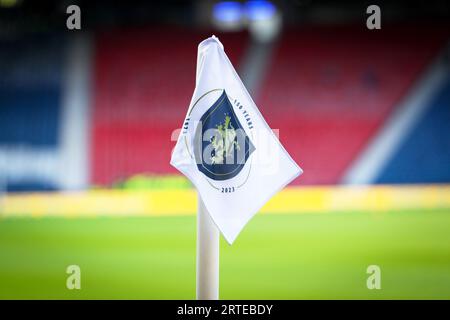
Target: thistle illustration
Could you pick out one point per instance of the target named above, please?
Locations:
(224, 141)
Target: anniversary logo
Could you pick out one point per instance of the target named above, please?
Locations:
(226, 148)
(222, 146)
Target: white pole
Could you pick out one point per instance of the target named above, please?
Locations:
(207, 255)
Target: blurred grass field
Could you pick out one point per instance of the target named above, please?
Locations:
(295, 256)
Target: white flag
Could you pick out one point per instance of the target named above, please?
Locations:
(226, 148)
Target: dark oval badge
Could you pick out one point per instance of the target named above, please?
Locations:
(222, 146)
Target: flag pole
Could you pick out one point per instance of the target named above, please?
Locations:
(207, 255)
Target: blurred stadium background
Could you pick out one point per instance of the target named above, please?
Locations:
(88, 119)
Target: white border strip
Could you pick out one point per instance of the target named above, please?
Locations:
(75, 115)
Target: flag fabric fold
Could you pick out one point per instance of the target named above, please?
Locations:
(226, 148)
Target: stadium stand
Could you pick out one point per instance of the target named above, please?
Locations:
(142, 85)
(30, 87)
(424, 157)
(327, 88)
(330, 88)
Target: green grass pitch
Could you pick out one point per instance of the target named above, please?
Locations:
(304, 256)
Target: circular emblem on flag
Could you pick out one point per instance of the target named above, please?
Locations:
(218, 134)
(222, 145)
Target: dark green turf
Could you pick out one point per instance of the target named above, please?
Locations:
(276, 256)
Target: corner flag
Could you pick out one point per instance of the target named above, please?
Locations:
(226, 148)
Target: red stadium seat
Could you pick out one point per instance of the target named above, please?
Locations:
(142, 88)
(329, 88)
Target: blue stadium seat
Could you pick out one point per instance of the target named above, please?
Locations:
(30, 87)
(29, 117)
(424, 157)
(31, 72)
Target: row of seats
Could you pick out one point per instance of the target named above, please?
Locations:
(328, 89)
(31, 76)
(424, 156)
(30, 91)
(143, 83)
